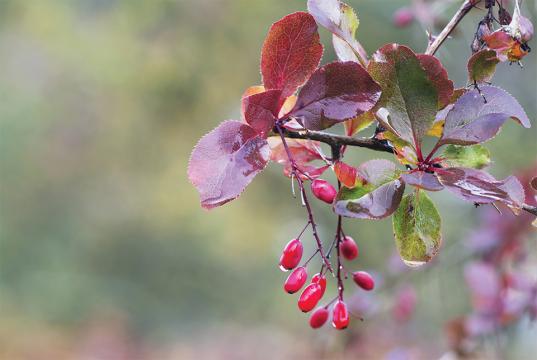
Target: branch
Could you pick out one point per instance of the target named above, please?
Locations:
(529, 208)
(337, 140)
(463, 10)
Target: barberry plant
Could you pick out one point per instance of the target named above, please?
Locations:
(407, 96)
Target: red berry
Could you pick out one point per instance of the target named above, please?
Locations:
(340, 315)
(295, 280)
(403, 17)
(310, 297)
(348, 248)
(318, 318)
(323, 190)
(321, 280)
(292, 253)
(363, 280)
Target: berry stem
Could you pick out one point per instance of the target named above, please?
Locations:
(340, 287)
(304, 229)
(294, 170)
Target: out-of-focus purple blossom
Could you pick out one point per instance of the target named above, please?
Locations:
(363, 304)
(396, 266)
(485, 285)
(405, 303)
(400, 354)
(478, 325)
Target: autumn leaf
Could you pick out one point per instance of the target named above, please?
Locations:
(291, 53)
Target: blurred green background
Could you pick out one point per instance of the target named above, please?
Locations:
(105, 252)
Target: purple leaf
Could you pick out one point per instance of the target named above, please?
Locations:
(335, 93)
(422, 180)
(472, 121)
(481, 187)
(377, 193)
(225, 161)
(260, 110)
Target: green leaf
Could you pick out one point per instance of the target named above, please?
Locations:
(377, 192)
(476, 156)
(481, 66)
(416, 226)
(408, 93)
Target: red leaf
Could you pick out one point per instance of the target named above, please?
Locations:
(225, 161)
(438, 75)
(303, 153)
(336, 92)
(481, 187)
(260, 110)
(345, 173)
(291, 53)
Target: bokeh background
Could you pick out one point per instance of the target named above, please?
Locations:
(105, 252)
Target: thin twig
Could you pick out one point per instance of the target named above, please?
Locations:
(340, 287)
(461, 13)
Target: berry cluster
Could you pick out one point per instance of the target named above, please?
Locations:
(313, 293)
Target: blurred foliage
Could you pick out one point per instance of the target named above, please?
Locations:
(102, 102)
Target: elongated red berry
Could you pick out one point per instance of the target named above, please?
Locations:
(403, 17)
(340, 315)
(363, 280)
(323, 190)
(309, 297)
(318, 317)
(348, 248)
(295, 280)
(321, 280)
(291, 255)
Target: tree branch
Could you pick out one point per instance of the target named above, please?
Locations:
(530, 209)
(338, 140)
(465, 8)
